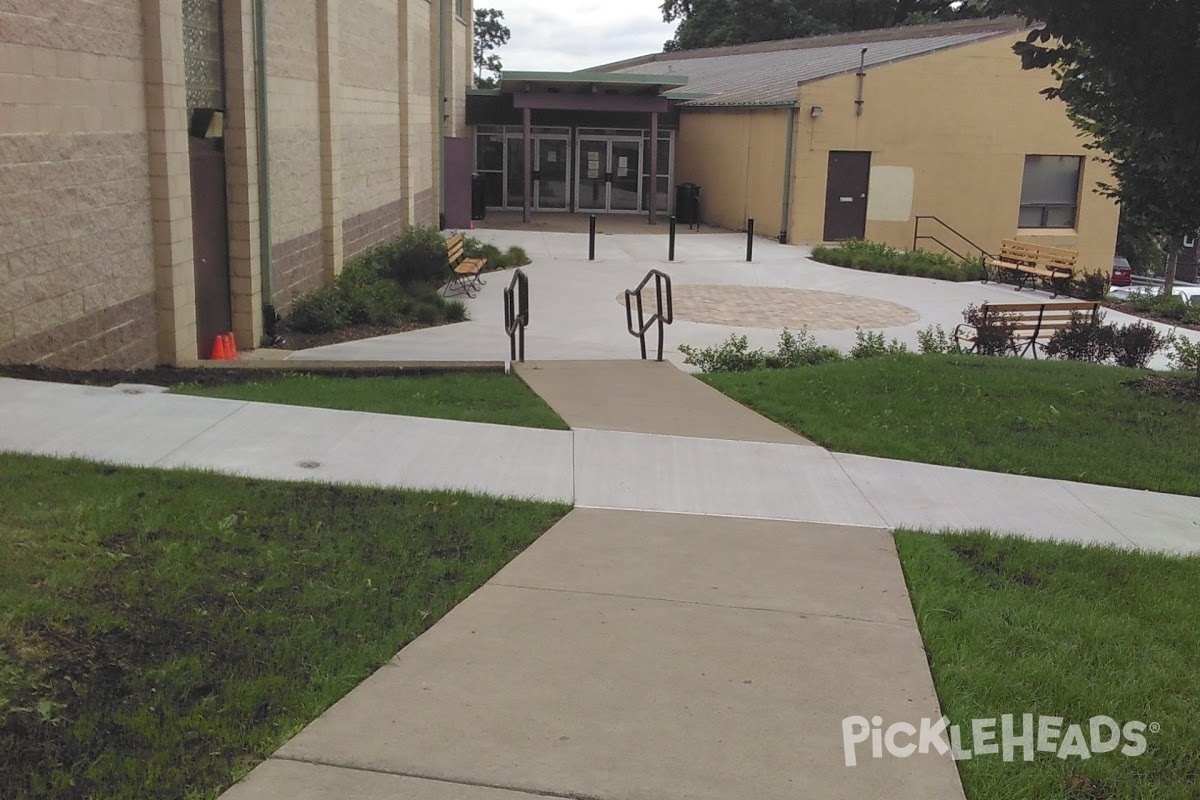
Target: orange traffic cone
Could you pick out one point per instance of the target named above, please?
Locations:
(231, 351)
(219, 352)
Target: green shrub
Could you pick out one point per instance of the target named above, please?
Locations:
(934, 340)
(319, 311)
(427, 312)
(492, 256)
(417, 256)
(1185, 353)
(1083, 339)
(994, 333)
(870, 344)
(732, 355)
(1135, 344)
(379, 302)
(801, 350)
(456, 311)
(1092, 286)
(878, 257)
(516, 256)
(472, 247)
(798, 349)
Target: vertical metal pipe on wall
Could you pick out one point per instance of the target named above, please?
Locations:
(443, 27)
(264, 167)
(788, 158)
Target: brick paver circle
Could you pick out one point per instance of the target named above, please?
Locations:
(776, 308)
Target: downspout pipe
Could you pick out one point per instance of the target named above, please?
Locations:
(443, 27)
(264, 169)
(788, 158)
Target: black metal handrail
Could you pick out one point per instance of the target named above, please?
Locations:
(917, 235)
(516, 314)
(662, 290)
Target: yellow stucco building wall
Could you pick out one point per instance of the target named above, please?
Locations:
(948, 133)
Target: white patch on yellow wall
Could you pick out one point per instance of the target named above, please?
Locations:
(891, 194)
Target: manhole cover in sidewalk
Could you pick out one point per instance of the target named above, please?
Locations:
(776, 308)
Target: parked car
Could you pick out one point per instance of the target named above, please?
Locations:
(1122, 273)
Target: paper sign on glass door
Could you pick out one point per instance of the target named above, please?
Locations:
(622, 166)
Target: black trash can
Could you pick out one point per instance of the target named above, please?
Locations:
(687, 203)
(478, 201)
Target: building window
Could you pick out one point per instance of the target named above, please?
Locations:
(1050, 192)
(460, 8)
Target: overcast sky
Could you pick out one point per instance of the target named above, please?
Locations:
(564, 35)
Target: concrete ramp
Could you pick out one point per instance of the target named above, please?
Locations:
(643, 656)
(646, 397)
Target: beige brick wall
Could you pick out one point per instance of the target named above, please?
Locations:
(295, 156)
(76, 244)
(418, 145)
(369, 105)
(95, 227)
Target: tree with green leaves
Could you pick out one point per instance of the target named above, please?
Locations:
(1129, 74)
(490, 35)
(712, 23)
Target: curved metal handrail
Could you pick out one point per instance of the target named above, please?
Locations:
(516, 314)
(664, 314)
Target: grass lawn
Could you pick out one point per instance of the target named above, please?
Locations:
(1054, 419)
(469, 396)
(162, 632)
(1019, 627)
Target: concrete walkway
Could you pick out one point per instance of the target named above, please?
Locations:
(642, 657)
(645, 397)
(697, 628)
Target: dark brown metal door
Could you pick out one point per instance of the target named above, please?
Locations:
(210, 242)
(846, 196)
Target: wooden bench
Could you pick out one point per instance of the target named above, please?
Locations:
(1032, 323)
(1027, 263)
(464, 272)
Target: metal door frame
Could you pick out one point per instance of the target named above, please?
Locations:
(537, 165)
(608, 143)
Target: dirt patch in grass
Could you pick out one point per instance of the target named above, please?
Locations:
(1080, 787)
(1173, 386)
(993, 568)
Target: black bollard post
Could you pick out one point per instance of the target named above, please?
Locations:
(750, 240)
(671, 241)
(592, 238)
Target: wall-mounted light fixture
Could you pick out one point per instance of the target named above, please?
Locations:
(816, 111)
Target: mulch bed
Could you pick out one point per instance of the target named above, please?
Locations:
(1127, 308)
(295, 340)
(1184, 388)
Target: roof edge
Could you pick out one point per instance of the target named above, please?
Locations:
(998, 25)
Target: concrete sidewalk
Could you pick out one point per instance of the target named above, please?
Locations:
(698, 627)
(592, 468)
(642, 657)
(645, 397)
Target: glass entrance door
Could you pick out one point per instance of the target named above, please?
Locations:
(626, 165)
(514, 179)
(593, 175)
(551, 161)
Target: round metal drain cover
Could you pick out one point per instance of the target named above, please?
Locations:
(309, 464)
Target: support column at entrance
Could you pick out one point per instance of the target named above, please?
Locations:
(527, 143)
(653, 168)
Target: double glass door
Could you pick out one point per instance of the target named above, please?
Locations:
(551, 173)
(610, 174)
